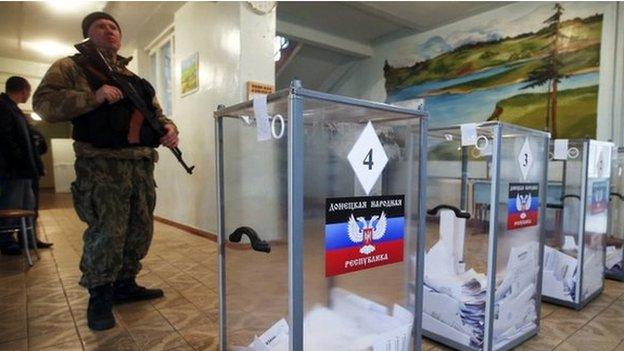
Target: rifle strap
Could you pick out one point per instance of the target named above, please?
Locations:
(99, 75)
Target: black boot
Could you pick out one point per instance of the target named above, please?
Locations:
(128, 291)
(100, 311)
(41, 245)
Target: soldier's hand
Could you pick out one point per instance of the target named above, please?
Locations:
(170, 139)
(108, 93)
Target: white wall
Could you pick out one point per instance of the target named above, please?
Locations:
(63, 158)
(234, 45)
(367, 80)
(618, 79)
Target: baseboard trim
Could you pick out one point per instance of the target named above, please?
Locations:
(189, 229)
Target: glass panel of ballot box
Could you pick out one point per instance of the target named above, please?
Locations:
(486, 187)
(614, 259)
(577, 219)
(320, 203)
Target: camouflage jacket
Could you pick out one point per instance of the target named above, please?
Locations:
(65, 93)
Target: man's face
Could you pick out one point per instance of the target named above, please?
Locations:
(105, 34)
(24, 95)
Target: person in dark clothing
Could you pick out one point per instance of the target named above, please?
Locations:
(115, 146)
(40, 147)
(20, 162)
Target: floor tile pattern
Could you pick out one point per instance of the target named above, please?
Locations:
(43, 307)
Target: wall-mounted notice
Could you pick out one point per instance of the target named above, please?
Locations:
(257, 88)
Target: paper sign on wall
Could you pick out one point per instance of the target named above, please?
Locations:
(560, 151)
(363, 232)
(468, 134)
(599, 162)
(522, 205)
(258, 88)
(263, 125)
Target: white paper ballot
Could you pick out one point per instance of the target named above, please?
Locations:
(454, 304)
(560, 274)
(352, 324)
(433, 325)
(553, 287)
(453, 236)
(276, 335)
(263, 125)
(614, 257)
(514, 312)
(521, 270)
(445, 309)
(569, 244)
(593, 271)
(561, 149)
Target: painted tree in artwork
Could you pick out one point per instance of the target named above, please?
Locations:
(549, 72)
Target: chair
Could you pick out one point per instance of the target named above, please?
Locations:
(27, 223)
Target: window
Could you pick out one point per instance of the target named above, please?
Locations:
(281, 44)
(161, 68)
(165, 74)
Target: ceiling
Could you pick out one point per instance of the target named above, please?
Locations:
(334, 35)
(43, 31)
(368, 22)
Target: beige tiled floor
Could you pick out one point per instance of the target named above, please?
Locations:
(43, 308)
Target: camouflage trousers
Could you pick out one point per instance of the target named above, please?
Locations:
(116, 198)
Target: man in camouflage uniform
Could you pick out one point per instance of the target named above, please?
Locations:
(114, 191)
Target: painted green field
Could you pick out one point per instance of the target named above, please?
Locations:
(582, 36)
(576, 110)
(584, 60)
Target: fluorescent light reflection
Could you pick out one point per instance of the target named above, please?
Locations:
(74, 6)
(49, 48)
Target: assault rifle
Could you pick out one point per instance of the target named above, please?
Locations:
(100, 63)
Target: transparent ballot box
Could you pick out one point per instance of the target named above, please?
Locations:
(614, 257)
(576, 221)
(484, 235)
(320, 204)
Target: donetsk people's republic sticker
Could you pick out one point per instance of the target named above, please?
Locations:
(523, 205)
(363, 232)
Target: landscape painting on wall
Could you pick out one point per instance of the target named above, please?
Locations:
(538, 68)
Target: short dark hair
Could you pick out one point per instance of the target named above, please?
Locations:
(16, 84)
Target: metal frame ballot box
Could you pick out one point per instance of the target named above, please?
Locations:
(614, 257)
(577, 219)
(484, 237)
(320, 201)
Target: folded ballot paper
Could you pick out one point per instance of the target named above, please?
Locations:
(614, 257)
(352, 324)
(560, 275)
(593, 271)
(454, 304)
